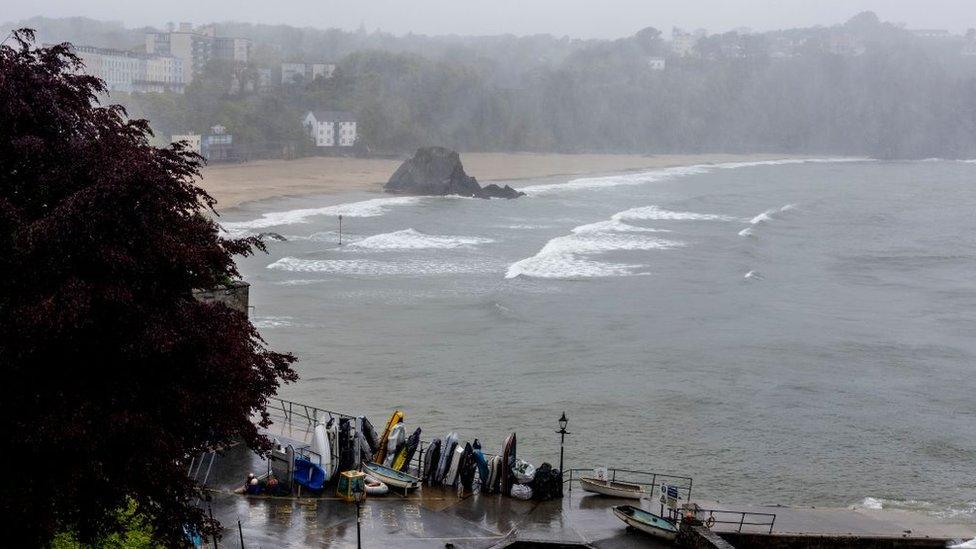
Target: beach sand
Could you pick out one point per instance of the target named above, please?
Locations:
(235, 184)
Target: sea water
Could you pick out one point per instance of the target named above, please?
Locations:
(783, 332)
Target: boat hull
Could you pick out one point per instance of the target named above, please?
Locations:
(652, 524)
(392, 478)
(612, 489)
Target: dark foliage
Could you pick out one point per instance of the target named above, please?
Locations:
(113, 373)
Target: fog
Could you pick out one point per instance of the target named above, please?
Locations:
(576, 18)
(738, 77)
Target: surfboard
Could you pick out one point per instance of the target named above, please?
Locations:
(450, 477)
(446, 449)
(395, 418)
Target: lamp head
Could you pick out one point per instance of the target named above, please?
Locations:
(563, 422)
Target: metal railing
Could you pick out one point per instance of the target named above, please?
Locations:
(738, 519)
(643, 478)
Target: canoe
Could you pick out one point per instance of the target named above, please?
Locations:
(613, 488)
(392, 477)
(646, 522)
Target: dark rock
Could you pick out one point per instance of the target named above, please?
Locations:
(438, 171)
(272, 236)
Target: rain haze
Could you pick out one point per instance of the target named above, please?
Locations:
(585, 19)
(610, 274)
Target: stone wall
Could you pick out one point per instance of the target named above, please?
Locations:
(786, 541)
(235, 295)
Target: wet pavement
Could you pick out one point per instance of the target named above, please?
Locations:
(429, 517)
(440, 517)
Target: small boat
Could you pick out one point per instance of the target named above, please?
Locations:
(392, 477)
(646, 522)
(309, 474)
(613, 488)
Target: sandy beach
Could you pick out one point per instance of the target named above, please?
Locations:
(235, 184)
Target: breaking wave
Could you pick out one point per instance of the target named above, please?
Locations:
(369, 267)
(410, 239)
(747, 232)
(657, 214)
(366, 208)
(762, 218)
(561, 256)
(268, 322)
(591, 183)
(753, 275)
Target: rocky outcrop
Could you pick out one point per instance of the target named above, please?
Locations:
(438, 171)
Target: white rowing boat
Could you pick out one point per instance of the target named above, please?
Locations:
(613, 488)
(646, 522)
(392, 477)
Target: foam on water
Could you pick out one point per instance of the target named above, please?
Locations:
(410, 239)
(753, 275)
(788, 207)
(366, 208)
(615, 225)
(762, 218)
(654, 213)
(971, 544)
(747, 232)
(265, 322)
(561, 256)
(591, 183)
(368, 267)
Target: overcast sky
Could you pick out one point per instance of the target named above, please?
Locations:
(577, 18)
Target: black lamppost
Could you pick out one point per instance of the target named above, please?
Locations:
(358, 493)
(340, 229)
(563, 422)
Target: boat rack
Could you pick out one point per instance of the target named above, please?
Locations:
(643, 478)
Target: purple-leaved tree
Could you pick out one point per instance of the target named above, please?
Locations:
(112, 373)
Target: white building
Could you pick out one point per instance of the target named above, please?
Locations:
(193, 140)
(295, 73)
(125, 71)
(656, 63)
(331, 128)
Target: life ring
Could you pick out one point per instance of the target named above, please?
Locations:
(710, 521)
(374, 487)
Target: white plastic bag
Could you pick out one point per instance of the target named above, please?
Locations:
(524, 471)
(521, 491)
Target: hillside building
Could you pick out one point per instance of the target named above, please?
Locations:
(297, 73)
(331, 128)
(197, 47)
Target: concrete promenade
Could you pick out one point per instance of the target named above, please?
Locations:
(438, 517)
